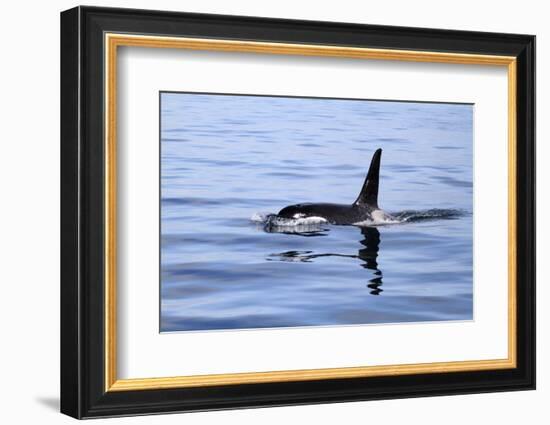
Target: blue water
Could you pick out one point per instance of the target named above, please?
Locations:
(228, 162)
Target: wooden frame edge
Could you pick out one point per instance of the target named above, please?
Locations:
(137, 384)
(114, 40)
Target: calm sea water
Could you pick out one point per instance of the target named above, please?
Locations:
(228, 162)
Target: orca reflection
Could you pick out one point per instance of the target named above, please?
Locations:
(368, 255)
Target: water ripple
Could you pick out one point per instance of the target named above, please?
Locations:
(225, 157)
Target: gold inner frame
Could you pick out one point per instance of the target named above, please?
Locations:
(113, 41)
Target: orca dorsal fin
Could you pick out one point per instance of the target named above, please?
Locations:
(369, 191)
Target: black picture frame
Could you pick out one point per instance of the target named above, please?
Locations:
(83, 392)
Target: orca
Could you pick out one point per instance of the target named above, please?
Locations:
(363, 211)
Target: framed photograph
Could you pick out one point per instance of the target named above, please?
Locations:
(261, 212)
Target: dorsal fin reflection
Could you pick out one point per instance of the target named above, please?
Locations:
(368, 255)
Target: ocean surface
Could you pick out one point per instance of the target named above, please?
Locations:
(230, 163)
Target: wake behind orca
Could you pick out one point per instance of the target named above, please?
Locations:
(364, 210)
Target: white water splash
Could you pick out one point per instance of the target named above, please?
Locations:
(260, 217)
(275, 220)
(378, 218)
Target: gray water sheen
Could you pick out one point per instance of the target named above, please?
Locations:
(229, 163)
